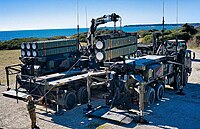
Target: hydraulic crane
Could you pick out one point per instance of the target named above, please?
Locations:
(98, 21)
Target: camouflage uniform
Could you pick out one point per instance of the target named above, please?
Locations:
(31, 109)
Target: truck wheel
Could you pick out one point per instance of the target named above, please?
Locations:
(159, 90)
(70, 100)
(150, 97)
(82, 95)
(177, 82)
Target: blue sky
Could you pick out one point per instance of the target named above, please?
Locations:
(51, 14)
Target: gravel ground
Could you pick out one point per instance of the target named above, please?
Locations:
(173, 111)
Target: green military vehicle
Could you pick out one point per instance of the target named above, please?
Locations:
(109, 61)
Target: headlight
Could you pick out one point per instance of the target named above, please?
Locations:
(28, 46)
(99, 45)
(22, 45)
(28, 53)
(23, 53)
(100, 56)
(34, 53)
(34, 46)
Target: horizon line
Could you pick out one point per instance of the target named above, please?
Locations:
(145, 24)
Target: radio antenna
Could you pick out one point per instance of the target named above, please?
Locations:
(78, 30)
(77, 13)
(176, 24)
(163, 22)
(86, 17)
(177, 12)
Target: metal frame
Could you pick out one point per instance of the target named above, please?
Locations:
(11, 70)
(14, 69)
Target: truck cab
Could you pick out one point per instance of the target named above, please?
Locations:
(181, 44)
(184, 55)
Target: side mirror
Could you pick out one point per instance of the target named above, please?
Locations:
(193, 56)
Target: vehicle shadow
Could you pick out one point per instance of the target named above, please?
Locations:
(196, 60)
(177, 111)
(75, 118)
(171, 112)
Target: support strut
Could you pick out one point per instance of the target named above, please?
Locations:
(7, 78)
(141, 104)
(89, 106)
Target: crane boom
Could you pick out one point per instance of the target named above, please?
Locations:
(98, 21)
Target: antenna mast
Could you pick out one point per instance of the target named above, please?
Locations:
(163, 22)
(176, 24)
(177, 12)
(86, 17)
(78, 33)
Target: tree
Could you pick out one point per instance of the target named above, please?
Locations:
(143, 33)
(147, 39)
(189, 29)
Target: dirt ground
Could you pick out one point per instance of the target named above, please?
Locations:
(173, 111)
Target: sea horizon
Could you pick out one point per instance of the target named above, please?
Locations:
(46, 33)
(147, 24)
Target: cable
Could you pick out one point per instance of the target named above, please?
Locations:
(65, 74)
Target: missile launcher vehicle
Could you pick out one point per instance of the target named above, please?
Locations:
(111, 46)
(63, 73)
(44, 57)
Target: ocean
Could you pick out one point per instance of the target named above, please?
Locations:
(8, 35)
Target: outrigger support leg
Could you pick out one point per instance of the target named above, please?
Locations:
(141, 119)
(180, 92)
(58, 111)
(7, 78)
(89, 106)
(16, 89)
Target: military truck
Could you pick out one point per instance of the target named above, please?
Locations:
(65, 75)
(62, 72)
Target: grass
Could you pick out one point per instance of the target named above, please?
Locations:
(8, 57)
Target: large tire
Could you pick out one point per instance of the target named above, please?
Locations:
(159, 91)
(70, 100)
(150, 96)
(177, 82)
(82, 95)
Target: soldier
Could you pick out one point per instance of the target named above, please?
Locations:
(31, 109)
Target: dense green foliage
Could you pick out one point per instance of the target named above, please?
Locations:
(186, 32)
(189, 29)
(15, 43)
(83, 36)
(148, 38)
(143, 33)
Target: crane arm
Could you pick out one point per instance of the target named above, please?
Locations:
(96, 22)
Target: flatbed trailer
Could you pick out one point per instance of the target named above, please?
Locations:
(56, 87)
